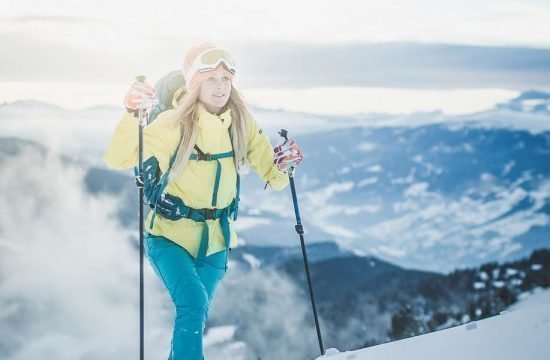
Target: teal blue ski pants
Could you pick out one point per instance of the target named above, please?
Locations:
(191, 289)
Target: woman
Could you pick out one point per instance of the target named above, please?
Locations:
(204, 143)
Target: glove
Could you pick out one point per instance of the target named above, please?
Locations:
(140, 96)
(287, 155)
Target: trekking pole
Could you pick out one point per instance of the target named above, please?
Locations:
(300, 230)
(142, 114)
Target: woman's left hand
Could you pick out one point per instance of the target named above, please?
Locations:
(287, 155)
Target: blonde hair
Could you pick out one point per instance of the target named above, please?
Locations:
(186, 116)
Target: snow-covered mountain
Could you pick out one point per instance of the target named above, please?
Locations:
(423, 191)
(433, 197)
(529, 101)
(389, 203)
(521, 332)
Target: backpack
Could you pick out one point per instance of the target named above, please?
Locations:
(165, 89)
(152, 182)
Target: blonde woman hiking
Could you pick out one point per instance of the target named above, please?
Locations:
(202, 146)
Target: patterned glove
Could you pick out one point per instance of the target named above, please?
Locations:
(140, 96)
(287, 155)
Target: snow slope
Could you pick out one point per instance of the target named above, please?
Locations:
(520, 333)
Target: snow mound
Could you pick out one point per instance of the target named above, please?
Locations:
(521, 332)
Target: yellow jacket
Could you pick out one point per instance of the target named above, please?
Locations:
(195, 184)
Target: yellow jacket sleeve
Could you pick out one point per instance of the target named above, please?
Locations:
(160, 139)
(260, 155)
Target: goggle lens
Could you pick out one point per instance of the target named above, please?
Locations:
(212, 59)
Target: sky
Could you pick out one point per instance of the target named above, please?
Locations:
(282, 46)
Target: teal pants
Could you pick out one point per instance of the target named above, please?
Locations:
(191, 289)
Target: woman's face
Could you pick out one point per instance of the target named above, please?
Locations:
(215, 90)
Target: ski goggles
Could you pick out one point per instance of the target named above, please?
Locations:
(209, 60)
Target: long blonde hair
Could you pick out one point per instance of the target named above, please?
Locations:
(186, 115)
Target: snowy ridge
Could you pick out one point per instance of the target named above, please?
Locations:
(520, 333)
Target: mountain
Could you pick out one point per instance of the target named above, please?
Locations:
(434, 197)
(497, 337)
(26, 106)
(423, 191)
(260, 256)
(531, 101)
(362, 299)
(345, 282)
(365, 301)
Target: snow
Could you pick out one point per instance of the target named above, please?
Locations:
(219, 334)
(253, 261)
(530, 104)
(479, 285)
(508, 166)
(344, 170)
(249, 222)
(511, 272)
(366, 146)
(319, 198)
(337, 231)
(483, 276)
(392, 251)
(375, 168)
(521, 332)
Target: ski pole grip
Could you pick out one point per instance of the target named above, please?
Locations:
(142, 117)
(291, 169)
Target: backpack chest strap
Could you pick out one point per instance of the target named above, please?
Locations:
(201, 156)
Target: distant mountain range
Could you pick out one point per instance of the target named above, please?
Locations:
(432, 196)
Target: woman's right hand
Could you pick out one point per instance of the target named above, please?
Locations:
(140, 96)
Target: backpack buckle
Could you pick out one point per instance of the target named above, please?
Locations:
(210, 214)
(204, 157)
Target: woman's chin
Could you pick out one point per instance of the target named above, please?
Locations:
(220, 103)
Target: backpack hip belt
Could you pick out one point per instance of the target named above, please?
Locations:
(173, 208)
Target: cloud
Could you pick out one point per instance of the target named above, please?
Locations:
(492, 22)
(269, 311)
(68, 272)
(69, 278)
(271, 64)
